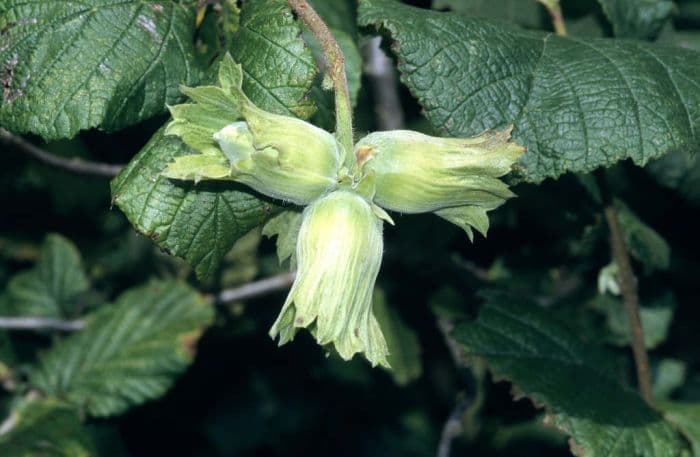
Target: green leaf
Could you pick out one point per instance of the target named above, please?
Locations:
(547, 363)
(526, 13)
(52, 287)
(198, 222)
(46, 428)
(129, 352)
(404, 346)
(669, 375)
(685, 416)
(656, 319)
(286, 227)
(641, 19)
(201, 222)
(278, 66)
(645, 244)
(70, 66)
(576, 104)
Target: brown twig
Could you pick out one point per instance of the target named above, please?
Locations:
(629, 289)
(335, 70)
(555, 13)
(382, 75)
(245, 292)
(78, 166)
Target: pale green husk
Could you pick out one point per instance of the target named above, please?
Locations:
(457, 178)
(339, 252)
(279, 156)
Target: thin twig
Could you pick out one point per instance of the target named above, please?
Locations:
(453, 427)
(630, 298)
(40, 323)
(255, 289)
(74, 165)
(335, 70)
(245, 292)
(555, 13)
(629, 289)
(382, 75)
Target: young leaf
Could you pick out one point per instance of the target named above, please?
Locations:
(70, 66)
(644, 243)
(48, 428)
(404, 346)
(576, 104)
(576, 383)
(641, 19)
(53, 285)
(130, 352)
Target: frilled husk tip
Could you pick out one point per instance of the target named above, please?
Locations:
(339, 252)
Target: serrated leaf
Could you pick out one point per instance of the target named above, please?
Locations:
(285, 226)
(685, 416)
(202, 222)
(198, 222)
(70, 66)
(644, 243)
(642, 19)
(52, 287)
(404, 346)
(576, 104)
(576, 383)
(278, 69)
(526, 13)
(129, 352)
(46, 428)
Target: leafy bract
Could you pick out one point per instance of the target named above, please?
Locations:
(576, 104)
(644, 243)
(47, 428)
(577, 384)
(52, 287)
(129, 352)
(70, 66)
(637, 18)
(201, 222)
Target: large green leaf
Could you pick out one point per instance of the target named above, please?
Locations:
(46, 428)
(52, 287)
(278, 68)
(576, 104)
(201, 222)
(637, 18)
(577, 384)
(129, 352)
(68, 66)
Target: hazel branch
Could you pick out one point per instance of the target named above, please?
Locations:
(335, 70)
